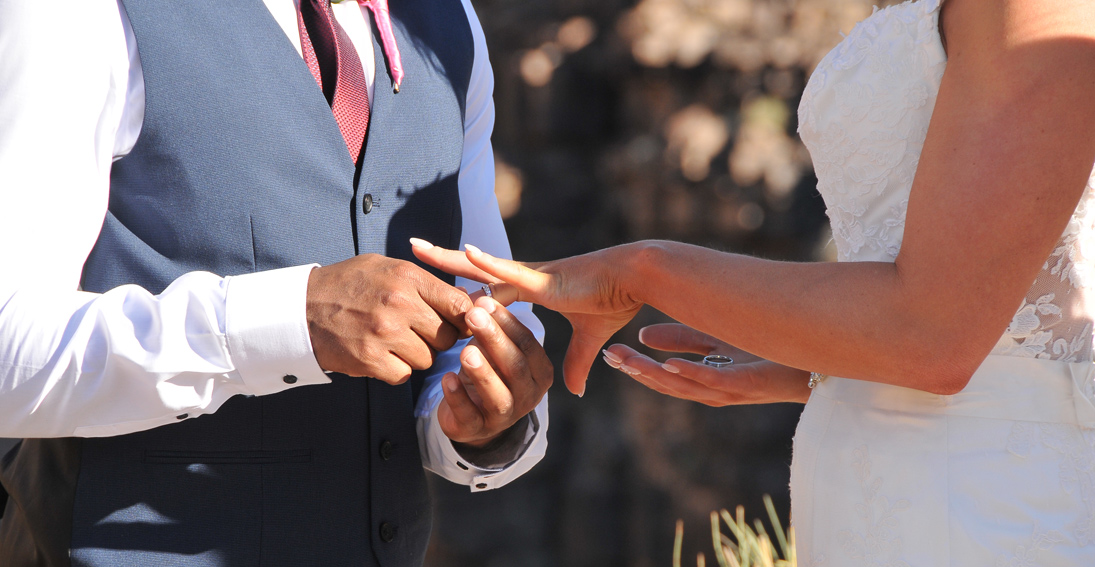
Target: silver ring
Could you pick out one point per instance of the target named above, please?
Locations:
(487, 291)
(717, 360)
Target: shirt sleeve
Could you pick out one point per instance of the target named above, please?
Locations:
(84, 364)
(482, 227)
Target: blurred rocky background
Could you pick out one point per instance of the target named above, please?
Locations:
(620, 120)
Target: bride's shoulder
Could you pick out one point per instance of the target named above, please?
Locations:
(1012, 23)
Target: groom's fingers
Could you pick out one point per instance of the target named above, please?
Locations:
(675, 337)
(459, 416)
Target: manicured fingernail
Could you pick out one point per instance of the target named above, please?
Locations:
(642, 331)
(474, 251)
(478, 318)
(451, 382)
(473, 359)
(670, 368)
(583, 392)
(630, 370)
(612, 357)
(612, 363)
(419, 243)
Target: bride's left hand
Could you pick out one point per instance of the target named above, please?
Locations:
(588, 290)
(749, 380)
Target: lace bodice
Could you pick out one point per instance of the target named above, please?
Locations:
(864, 117)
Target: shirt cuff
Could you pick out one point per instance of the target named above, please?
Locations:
(442, 458)
(266, 327)
(504, 449)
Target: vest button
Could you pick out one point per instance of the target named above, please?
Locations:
(387, 532)
(386, 450)
(367, 203)
(289, 379)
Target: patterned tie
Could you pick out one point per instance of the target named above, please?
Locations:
(337, 68)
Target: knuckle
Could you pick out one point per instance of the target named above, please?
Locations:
(407, 272)
(396, 298)
(503, 408)
(387, 328)
(459, 303)
(425, 360)
(516, 366)
(547, 375)
(526, 341)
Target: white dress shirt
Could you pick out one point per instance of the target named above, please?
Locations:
(74, 363)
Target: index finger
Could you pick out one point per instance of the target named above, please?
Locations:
(529, 283)
(514, 350)
(447, 301)
(450, 261)
(538, 362)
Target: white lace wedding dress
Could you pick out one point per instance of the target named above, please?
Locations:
(1002, 474)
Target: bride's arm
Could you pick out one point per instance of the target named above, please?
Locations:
(1009, 149)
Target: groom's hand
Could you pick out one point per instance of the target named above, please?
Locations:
(504, 374)
(380, 317)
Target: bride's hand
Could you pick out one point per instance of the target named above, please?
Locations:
(749, 380)
(588, 290)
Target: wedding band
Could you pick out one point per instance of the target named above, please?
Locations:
(487, 291)
(717, 360)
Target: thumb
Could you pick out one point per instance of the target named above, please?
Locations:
(581, 354)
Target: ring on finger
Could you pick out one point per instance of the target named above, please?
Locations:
(717, 360)
(488, 290)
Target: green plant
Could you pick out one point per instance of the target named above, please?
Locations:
(750, 547)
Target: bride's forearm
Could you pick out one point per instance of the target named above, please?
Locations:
(856, 320)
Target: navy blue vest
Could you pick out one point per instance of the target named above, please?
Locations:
(240, 167)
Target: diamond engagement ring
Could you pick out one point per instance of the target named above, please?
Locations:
(717, 360)
(488, 291)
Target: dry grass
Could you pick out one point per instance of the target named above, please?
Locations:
(750, 546)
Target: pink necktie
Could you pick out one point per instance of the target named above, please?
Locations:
(335, 64)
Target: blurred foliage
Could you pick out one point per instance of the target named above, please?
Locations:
(619, 120)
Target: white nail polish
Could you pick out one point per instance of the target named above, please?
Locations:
(612, 363)
(611, 356)
(630, 370)
(419, 243)
(670, 368)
